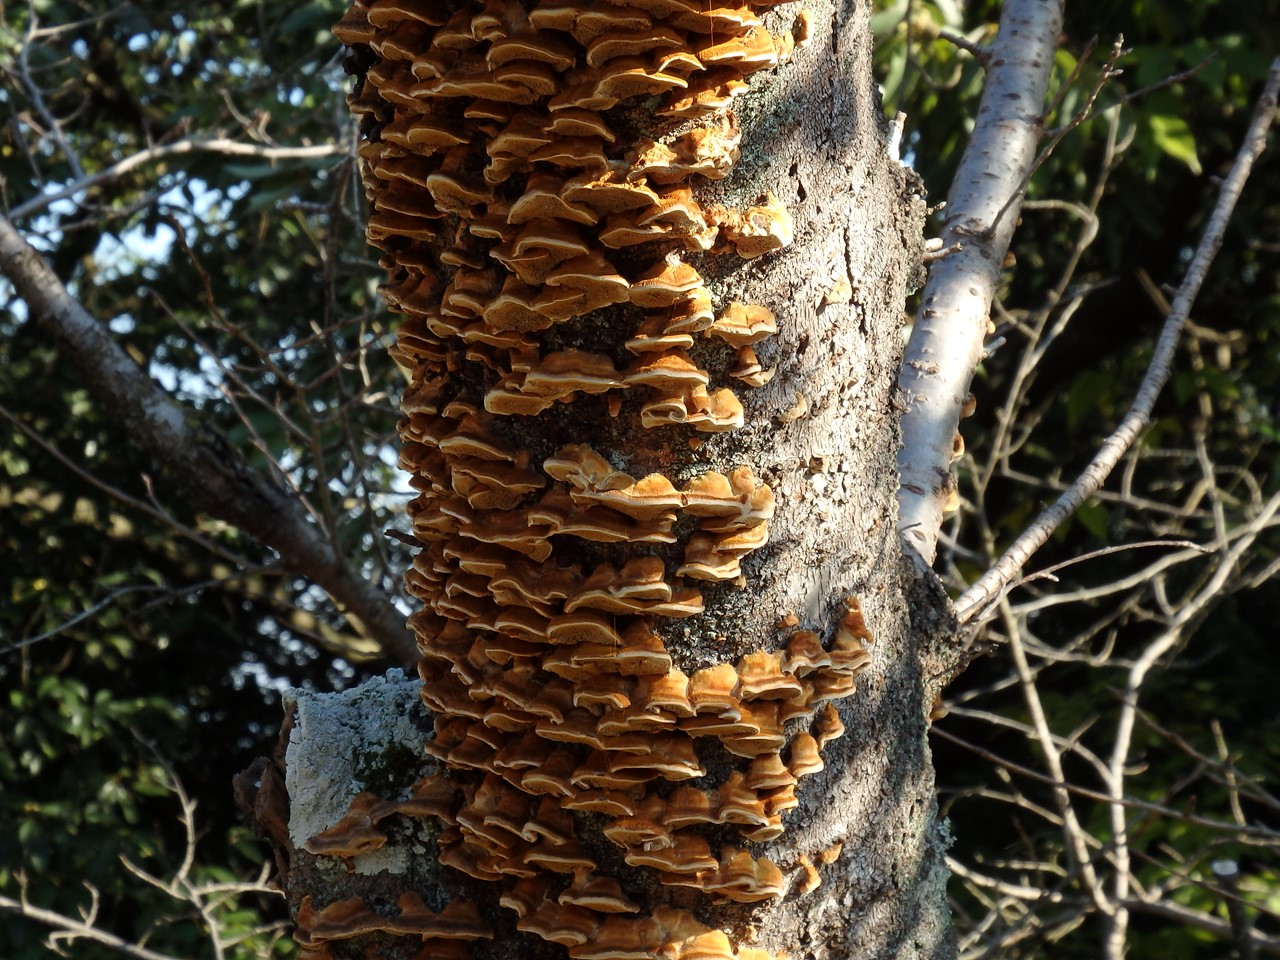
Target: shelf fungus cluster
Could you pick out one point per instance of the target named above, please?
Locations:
(445, 933)
(534, 173)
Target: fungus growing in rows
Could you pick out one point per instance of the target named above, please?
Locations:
(525, 896)
(499, 188)
(542, 200)
(561, 515)
(432, 796)
(853, 627)
(739, 804)
(664, 285)
(754, 50)
(650, 498)
(765, 736)
(704, 562)
(346, 919)
(340, 920)
(689, 806)
(805, 653)
(686, 856)
(654, 335)
(625, 230)
(804, 759)
(581, 627)
(620, 940)
(745, 879)
(827, 726)
(748, 369)
(559, 858)
(768, 772)
(552, 778)
(713, 691)
(712, 945)
(608, 802)
(761, 676)
(356, 27)
(566, 925)
(710, 93)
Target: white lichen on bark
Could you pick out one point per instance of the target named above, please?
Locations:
(333, 736)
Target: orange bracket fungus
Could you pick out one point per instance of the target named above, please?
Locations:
(539, 176)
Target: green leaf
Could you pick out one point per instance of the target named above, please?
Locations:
(884, 21)
(1173, 136)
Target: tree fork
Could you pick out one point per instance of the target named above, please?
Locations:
(652, 266)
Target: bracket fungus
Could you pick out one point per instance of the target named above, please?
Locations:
(511, 209)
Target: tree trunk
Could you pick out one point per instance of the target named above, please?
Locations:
(577, 606)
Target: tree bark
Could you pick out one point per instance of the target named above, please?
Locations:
(822, 434)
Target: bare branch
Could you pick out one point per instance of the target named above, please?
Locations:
(1248, 834)
(976, 50)
(52, 124)
(206, 470)
(978, 598)
(206, 900)
(1081, 116)
(1072, 829)
(220, 145)
(946, 342)
(1129, 709)
(1049, 573)
(79, 929)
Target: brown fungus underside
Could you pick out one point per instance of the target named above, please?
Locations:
(624, 717)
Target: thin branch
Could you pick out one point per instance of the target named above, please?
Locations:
(1150, 88)
(86, 614)
(1048, 573)
(1129, 708)
(219, 145)
(1247, 834)
(79, 929)
(37, 98)
(1204, 921)
(1072, 829)
(974, 603)
(976, 50)
(1020, 890)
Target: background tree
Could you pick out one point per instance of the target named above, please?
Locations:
(76, 784)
